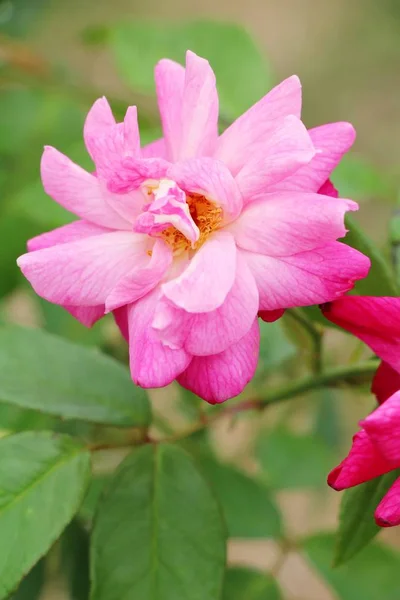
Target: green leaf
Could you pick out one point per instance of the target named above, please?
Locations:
(248, 506)
(46, 373)
(355, 178)
(357, 525)
(59, 321)
(75, 560)
(380, 281)
(33, 203)
(291, 460)
(92, 498)
(275, 347)
(328, 424)
(43, 479)
(246, 584)
(158, 533)
(372, 575)
(242, 75)
(31, 586)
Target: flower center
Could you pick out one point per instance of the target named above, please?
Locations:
(183, 220)
(206, 216)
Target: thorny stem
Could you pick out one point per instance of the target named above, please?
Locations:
(331, 377)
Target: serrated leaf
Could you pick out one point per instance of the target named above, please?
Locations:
(242, 75)
(248, 505)
(158, 533)
(380, 280)
(43, 372)
(369, 576)
(357, 525)
(43, 479)
(246, 584)
(290, 460)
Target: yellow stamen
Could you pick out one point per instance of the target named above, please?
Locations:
(207, 217)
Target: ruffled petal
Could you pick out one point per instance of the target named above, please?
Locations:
(387, 513)
(288, 149)
(205, 283)
(375, 321)
(142, 278)
(152, 363)
(77, 191)
(212, 179)
(306, 278)
(242, 139)
(199, 109)
(283, 224)
(155, 149)
(211, 332)
(84, 272)
(331, 141)
(385, 382)
(363, 463)
(222, 376)
(170, 81)
(382, 426)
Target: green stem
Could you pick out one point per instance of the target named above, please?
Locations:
(315, 334)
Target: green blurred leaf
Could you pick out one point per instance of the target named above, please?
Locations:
(17, 16)
(18, 110)
(242, 75)
(91, 500)
(357, 525)
(158, 532)
(355, 178)
(380, 281)
(291, 460)
(14, 233)
(33, 203)
(328, 421)
(59, 321)
(275, 347)
(43, 372)
(246, 584)
(371, 575)
(75, 560)
(31, 586)
(248, 506)
(43, 479)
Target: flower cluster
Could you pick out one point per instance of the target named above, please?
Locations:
(187, 240)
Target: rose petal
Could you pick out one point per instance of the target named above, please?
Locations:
(387, 513)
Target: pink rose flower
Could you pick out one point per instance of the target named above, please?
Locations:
(376, 448)
(187, 239)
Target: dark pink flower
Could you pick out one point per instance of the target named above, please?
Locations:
(188, 238)
(376, 448)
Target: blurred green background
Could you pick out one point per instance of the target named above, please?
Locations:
(56, 58)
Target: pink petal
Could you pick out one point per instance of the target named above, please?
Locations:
(112, 145)
(382, 426)
(133, 171)
(284, 223)
(121, 319)
(331, 141)
(77, 191)
(87, 315)
(218, 377)
(288, 149)
(385, 382)
(363, 463)
(99, 120)
(241, 139)
(84, 272)
(155, 149)
(142, 278)
(212, 332)
(152, 364)
(269, 316)
(170, 81)
(205, 283)
(375, 321)
(387, 513)
(305, 278)
(212, 179)
(77, 230)
(199, 109)
(128, 205)
(328, 189)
